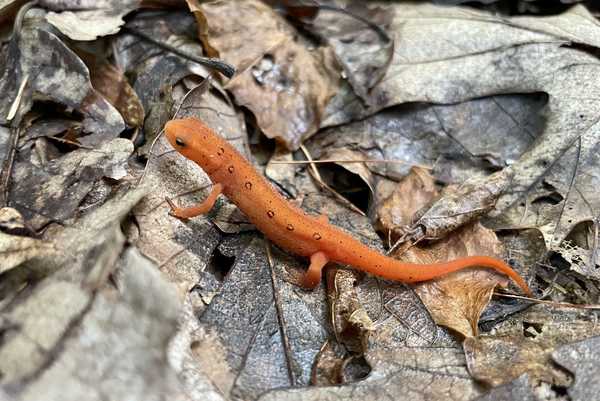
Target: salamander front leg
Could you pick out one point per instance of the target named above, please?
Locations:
(201, 208)
(312, 277)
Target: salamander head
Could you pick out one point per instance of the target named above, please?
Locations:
(197, 142)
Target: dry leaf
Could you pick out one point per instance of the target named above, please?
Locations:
(525, 345)
(456, 300)
(581, 359)
(283, 82)
(51, 71)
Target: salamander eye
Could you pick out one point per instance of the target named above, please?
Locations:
(179, 141)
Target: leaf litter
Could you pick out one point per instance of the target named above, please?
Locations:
(490, 120)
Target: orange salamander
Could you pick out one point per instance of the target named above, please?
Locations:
(288, 226)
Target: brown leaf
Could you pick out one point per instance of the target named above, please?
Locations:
(113, 85)
(454, 300)
(458, 299)
(395, 213)
(281, 80)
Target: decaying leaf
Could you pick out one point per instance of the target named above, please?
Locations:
(113, 85)
(359, 39)
(456, 300)
(49, 70)
(525, 345)
(581, 358)
(458, 206)
(53, 191)
(409, 357)
(156, 70)
(283, 83)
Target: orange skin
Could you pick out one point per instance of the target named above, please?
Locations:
(288, 226)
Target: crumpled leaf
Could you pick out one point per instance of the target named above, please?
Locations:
(581, 358)
(65, 181)
(518, 54)
(408, 354)
(458, 206)
(455, 300)
(51, 71)
(525, 345)
(81, 21)
(83, 254)
(456, 142)
(283, 83)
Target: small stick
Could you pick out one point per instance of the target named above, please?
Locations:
(214, 63)
(423, 166)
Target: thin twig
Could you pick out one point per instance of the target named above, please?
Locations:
(216, 64)
(551, 303)
(8, 164)
(379, 30)
(352, 161)
(17, 102)
(317, 176)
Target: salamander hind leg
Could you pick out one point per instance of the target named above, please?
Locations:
(201, 208)
(312, 277)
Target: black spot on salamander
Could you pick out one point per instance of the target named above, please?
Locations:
(221, 152)
(290, 227)
(317, 236)
(231, 169)
(271, 214)
(248, 185)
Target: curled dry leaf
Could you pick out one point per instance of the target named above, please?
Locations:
(395, 213)
(281, 80)
(88, 20)
(455, 300)
(460, 205)
(351, 322)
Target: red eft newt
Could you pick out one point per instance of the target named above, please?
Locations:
(289, 226)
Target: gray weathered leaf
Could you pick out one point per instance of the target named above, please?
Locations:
(81, 21)
(54, 190)
(51, 71)
(582, 358)
(493, 55)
